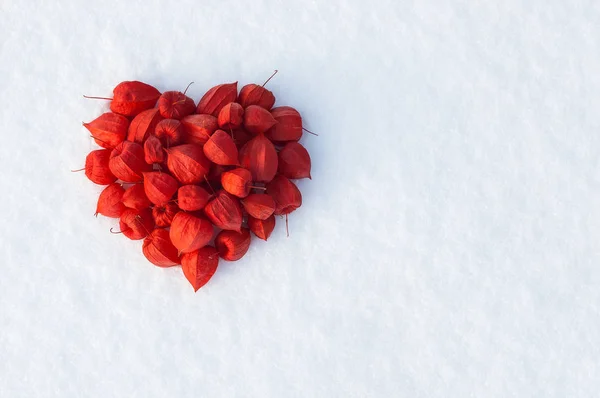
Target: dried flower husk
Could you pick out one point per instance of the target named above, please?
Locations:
(237, 182)
(133, 97)
(169, 132)
(159, 187)
(175, 105)
(109, 201)
(127, 162)
(261, 228)
(258, 120)
(289, 126)
(108, 129)
(200, 265)
(189, 233)
(188, 163)
(259, 205)
(192, 197)
(231, 116)
(96, 167)
(286, 194)
(216, 98)
(260, 157)
(224, 211)
(221, 149)
(253, 94)
(294, 161)
(136, 224)
(198, 128)
(163, 215)
(233, 245)
(135, 198)
(143, 125)
(159, 250)
(154, 151)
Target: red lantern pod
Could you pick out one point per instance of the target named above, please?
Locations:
(159, 187)
(159, 250)
(188, 163)
(257, 119)
(260, 157)
(221, 149)
(216, 98)
(136, 224)
(198, 128)
(253, 94)
(96, 167)
(154, 151)
(127, 162)
(231, 116)
(135, 198)
(237, 182)
(192, 197)
(108, 129)
(294, 161)
(224, 211)
(233, 245)
(163, 215)
(175, 105)
(133, 97)
(286, 194)
(169, 132)
(259, 206)
(200, 265)
(261, 228)
(289, 126)
(143, 125)
(189, 233)
(109, 201)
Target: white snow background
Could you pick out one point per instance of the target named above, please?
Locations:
(447, 246)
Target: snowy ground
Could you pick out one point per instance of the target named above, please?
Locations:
(448, 245)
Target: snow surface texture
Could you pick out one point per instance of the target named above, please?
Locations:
(448, 244)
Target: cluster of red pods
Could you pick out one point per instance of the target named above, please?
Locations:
(195, 181)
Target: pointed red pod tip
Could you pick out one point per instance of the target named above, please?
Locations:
(136, 224)
(108, 129)
(220, 149)
(189, 233)
(159, 187)
(224, 211)
(143, 125)
(237, 182)
(159, 250)
(262, 228)
(200, 265)
(188, 163)
(253, 94)
(109, 201)
(192, 197)
(233, 245)
(133, 97)
(231, 116)
(135, 198)
(294, 161)
(154, 151)
(198, 128)
(127, 162)
(216, 98)
(286, 195)
(169, 132)
(259, 205)
(289, 126)
(163, 215)
(258, 120)
(260, 157)
(175, 105)
(96, 167)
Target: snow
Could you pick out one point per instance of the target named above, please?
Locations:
(448, 243)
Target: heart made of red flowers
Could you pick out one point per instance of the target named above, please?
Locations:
(196, 181)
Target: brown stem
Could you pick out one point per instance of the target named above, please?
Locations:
(255, 187)
(287, 229)
(75, 171)
(100, 98)
(310, 132)
(116, 233)
(210, 186)
(274, 73)
(188, 86)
